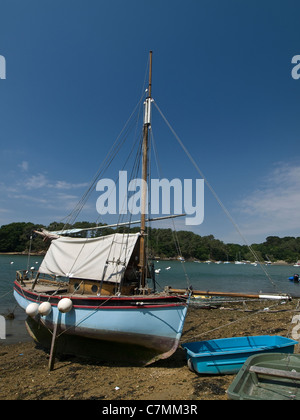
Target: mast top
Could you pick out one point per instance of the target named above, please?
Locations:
(150, 74)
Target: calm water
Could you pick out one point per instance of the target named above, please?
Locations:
(212, 277)
(9, 264)
(229, 277)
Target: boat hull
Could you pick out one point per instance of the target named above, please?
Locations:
(274, 383)
(102, 351)
(227, 355)
(152, 325)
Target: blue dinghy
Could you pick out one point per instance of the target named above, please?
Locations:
(227, 355)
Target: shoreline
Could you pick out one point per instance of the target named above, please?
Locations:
(24, 366)
(24, 253)
(279, 262)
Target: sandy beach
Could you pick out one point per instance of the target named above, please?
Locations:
(24, 371)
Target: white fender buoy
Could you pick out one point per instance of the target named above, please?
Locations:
(65, 305)
(32, 309)
(45, 308)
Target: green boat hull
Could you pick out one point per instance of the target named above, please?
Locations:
(269, 376)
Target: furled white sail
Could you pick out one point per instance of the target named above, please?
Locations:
(103, 258)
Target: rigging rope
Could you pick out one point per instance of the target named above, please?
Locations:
(174, 231)
(104, 166)
(122, 137)
(70, 219)
(214, 194)
(5, 294)
(255, 312)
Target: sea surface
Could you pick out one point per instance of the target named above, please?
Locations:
(221, 277)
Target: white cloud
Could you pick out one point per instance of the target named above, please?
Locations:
(24, 166)
(36, 181)
(40, 181)
(274, 208)
(26, 198)
(63, 185)
(36, 197)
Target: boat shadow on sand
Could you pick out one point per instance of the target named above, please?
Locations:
(90, 351)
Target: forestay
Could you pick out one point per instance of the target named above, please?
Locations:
(103, 259)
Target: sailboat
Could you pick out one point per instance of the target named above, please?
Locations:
(297, 264)
(96, 290)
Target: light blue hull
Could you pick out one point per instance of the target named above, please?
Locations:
(156, 328)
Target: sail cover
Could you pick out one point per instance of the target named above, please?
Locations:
(103, 258)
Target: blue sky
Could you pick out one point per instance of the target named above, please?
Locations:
(221, 75)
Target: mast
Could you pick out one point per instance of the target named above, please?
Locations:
(146, 126)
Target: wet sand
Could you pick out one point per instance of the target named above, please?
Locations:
(24, 371)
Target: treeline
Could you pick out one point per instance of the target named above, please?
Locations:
(15, 237)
